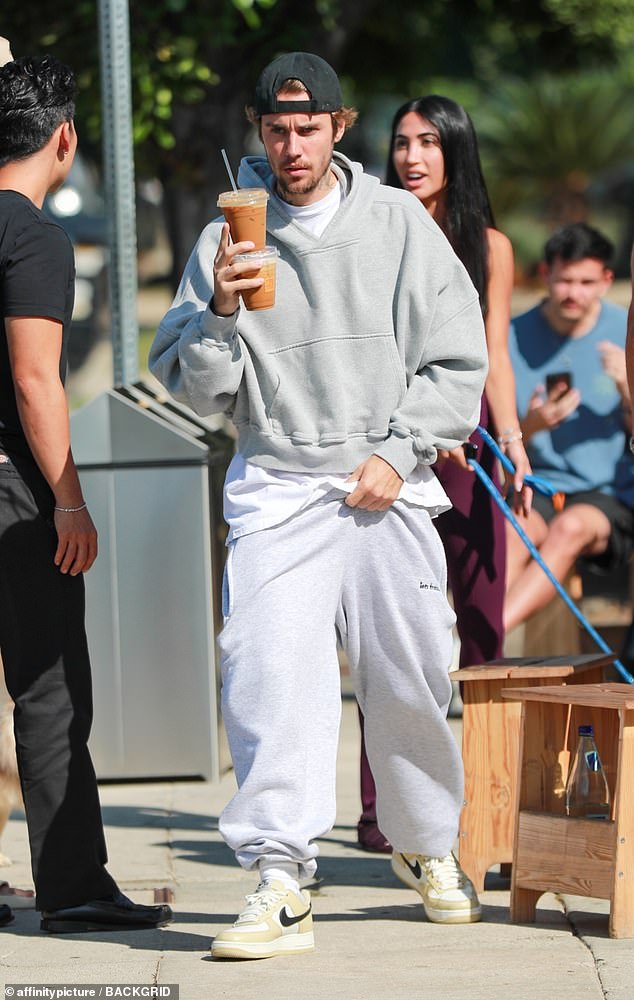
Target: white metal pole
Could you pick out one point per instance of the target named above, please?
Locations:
(118, 160)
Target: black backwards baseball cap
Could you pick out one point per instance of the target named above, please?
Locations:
(318, 77)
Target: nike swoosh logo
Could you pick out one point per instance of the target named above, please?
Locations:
(288, 919)
(415, 868)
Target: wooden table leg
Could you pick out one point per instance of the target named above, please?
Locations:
(524, 905)
(622, 900)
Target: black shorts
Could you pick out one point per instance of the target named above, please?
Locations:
(621, 519)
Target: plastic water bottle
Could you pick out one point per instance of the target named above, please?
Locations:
(587, 792)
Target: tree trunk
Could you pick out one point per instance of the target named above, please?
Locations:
(194, 174)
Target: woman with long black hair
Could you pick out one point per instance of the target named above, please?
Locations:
(434, 154)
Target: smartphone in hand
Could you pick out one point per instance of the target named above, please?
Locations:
(556, 378)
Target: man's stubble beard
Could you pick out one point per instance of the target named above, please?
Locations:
(288, 191)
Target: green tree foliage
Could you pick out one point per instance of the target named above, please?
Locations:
(546, 139)
(193, 67)
(610, 21)
(173, 44)
(194, 63)
(191, 52)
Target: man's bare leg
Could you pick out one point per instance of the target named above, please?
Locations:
(580, 530)
(517, 555)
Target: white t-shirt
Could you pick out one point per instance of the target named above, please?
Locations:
(257, 498)
(315, 217)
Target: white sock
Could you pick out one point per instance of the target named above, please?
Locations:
(286, 872)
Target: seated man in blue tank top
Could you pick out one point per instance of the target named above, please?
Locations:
(569, 362)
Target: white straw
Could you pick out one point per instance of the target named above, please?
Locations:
(225, 158)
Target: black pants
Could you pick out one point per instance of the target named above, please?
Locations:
(47, 673)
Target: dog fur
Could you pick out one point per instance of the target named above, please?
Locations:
(10, 792)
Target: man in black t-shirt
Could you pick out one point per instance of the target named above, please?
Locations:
(47, 538)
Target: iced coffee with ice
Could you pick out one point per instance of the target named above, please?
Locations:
(245, 211)
(261, 265)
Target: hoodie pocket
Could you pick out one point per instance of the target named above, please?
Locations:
(332, 388)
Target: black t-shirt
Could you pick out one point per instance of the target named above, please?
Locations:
(37, 278)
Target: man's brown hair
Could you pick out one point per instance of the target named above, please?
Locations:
(345, 116)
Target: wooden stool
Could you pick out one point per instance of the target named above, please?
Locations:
(554, 852)
(490, 742)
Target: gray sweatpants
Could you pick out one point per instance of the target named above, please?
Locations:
(377, 582)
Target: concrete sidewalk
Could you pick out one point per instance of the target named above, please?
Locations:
(373, 942)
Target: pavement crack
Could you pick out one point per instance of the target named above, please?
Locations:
(157, 971)
(169, 837)
(577, 932)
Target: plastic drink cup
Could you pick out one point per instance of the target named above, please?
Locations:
(245, 211)
(263, 264)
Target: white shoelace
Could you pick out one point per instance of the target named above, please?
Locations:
(445, 870)
(259, 902)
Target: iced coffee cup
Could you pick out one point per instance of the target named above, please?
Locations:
(245, 211)
(263, 264)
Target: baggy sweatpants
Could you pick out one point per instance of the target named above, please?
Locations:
(377, 582)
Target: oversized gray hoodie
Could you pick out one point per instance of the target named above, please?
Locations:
(375, 344)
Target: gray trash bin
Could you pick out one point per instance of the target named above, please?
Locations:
(152, 474)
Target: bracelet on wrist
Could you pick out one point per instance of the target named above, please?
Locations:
(510, 437)
(71, 510)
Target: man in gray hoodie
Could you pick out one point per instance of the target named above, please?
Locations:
(371, 360)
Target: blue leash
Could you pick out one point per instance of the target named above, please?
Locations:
(543, 486)
(535, 482)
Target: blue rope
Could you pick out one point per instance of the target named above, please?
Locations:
(536, 482)
(510, 516)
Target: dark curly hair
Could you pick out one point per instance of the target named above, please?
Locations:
(578, 241)
(37, 94)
